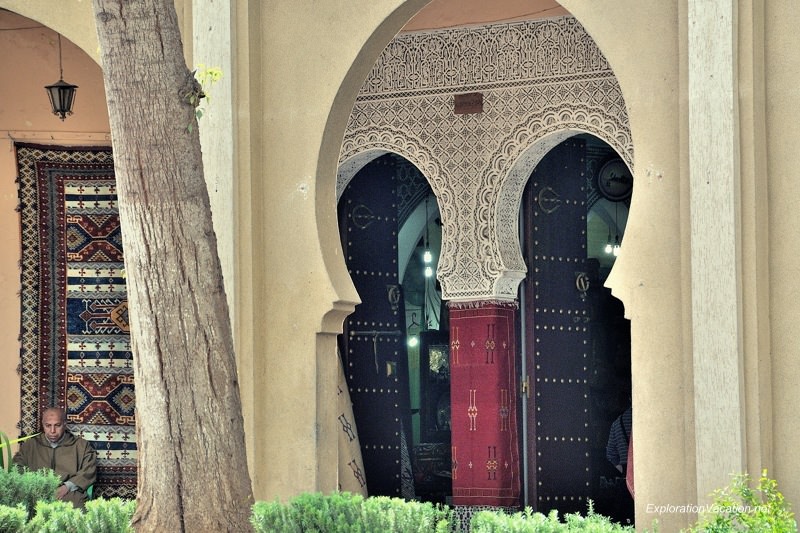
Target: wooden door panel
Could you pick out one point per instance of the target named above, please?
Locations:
(373, 343)
(557, 337)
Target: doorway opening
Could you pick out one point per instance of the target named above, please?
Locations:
(395, 346)
(575, 338)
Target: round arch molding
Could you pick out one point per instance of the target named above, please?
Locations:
(330, 157)
(366, 145)
(73, 20)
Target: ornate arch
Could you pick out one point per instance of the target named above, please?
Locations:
(519, 155)
(362, 146)
(540, 82)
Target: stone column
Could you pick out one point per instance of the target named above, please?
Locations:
(714, 200)
(212, 42)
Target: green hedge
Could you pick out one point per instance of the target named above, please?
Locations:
(12, 519)
(736, 508)
(349, 513)
(529, 521)
(100, 516)
(27, 488)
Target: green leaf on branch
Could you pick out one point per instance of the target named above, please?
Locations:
(203, 78)
(6, 443)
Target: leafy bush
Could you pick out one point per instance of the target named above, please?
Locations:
(100, 516)
(55, 517)
(739, 507)
(349, 513)
(12, 519)
(381, 513)
(27, 488)
(529, 521)
(109, 516)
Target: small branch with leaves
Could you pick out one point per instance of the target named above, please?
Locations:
(202, 79)
(5, 462)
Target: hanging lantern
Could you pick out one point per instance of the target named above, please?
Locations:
(62, 96)
(61, 93)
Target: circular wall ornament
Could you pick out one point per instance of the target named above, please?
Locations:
(615, 181)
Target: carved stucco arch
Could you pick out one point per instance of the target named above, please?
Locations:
(519, 154)
(364, 146)
(522, 150)
(559, 85)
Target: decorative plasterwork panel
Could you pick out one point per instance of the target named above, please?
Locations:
(541, 81)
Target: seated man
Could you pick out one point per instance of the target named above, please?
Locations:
(70, 457)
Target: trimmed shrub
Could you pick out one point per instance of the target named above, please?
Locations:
(55, 517)
(12, 519)
(100, 516)
(529, 521)
(381, 513)
(349, 513)
(109, 516)
(27, 488)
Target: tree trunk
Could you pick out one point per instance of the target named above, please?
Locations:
(192, 464)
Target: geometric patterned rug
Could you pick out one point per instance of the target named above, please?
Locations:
(75, 341)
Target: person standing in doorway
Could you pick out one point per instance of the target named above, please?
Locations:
(619, 439)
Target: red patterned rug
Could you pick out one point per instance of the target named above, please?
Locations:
(483, 391)
(75, 345)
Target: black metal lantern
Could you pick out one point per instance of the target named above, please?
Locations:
(61, 93)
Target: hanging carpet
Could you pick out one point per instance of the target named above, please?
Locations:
(75, 344)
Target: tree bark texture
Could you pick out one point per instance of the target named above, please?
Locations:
(192, 463)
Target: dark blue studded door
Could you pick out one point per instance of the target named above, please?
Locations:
(373, 345)
(557, 331)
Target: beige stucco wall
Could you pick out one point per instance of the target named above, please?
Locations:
(654, 290)
(301, 291)
(782, 77)
(651, 287)
(298, 67)
(30, 61)
(652, 67)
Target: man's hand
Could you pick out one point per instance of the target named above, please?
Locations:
(61, 492)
